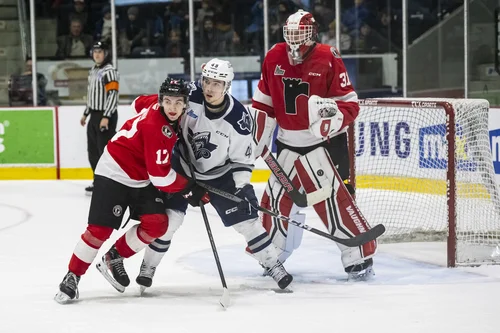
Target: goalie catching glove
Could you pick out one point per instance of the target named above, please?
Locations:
(325, 117)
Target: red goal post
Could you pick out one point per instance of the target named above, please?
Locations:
(419, 186)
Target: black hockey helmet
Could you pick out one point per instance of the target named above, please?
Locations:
(102, 46)
(174, 87)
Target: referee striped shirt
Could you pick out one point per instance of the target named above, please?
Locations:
(102, 90)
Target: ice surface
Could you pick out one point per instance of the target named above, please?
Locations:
(41, 221)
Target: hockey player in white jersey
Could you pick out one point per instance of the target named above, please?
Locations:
(217, 140)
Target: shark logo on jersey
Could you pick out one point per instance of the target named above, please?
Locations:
(201, 145)
(245, 122)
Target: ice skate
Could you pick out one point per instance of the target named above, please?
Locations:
(361, 272)
(280, 275)
(145, 277)
(111, 267)
(68, 289)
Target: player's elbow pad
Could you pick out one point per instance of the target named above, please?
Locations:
(262, 129)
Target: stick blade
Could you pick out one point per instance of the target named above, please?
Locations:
(225, 300)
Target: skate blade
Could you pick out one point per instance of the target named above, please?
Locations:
(88, 194)
(62, 298)
(101, 267)
(142, 289)
(225, 301)
(366, 275)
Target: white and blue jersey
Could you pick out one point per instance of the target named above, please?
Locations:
(220, 142)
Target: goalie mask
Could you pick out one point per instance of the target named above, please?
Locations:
(300, 33)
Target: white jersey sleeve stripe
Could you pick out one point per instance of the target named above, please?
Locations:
(164, 181)
(350, 97)
(260, 97)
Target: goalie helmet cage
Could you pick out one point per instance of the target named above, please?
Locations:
(420, 187)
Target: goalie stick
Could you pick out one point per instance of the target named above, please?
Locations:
(300, 199)
(356, 241)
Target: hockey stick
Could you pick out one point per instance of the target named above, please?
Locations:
(356, 241)
(300, 199)
(224, 301)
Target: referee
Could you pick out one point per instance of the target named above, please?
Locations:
(102, 103)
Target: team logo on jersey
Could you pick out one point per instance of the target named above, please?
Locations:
(245, 122)
(335, 52)
(167, 131)
(201, 145)
(117, 210)
(279, 71)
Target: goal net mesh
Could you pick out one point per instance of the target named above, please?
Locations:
(400, 154)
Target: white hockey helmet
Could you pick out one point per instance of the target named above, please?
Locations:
(219, 69)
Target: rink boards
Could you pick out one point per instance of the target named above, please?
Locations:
(49, 143)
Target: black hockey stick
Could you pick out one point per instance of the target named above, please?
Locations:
(356, 241)
(224, 301)
(300, 199)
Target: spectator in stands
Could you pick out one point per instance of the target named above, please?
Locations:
(133, 32)
(206, 42)
(174, 44)
(255, 31)
(207, 10)
(368, 41)
(103, 26)
(23, 85)
(354, 17)
(76, 44)
(329, 37)
(78, 11)
(323, 15)
(285, 9)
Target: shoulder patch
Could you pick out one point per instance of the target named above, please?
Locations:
(167, 131)
(239, 118)
(335, 52)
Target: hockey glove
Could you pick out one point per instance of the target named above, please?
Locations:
(194, 193)
(250, 200)
(197, 193)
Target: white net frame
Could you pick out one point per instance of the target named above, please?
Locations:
(420, 187)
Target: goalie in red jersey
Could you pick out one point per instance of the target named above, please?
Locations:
(134, 165)
(305, 89)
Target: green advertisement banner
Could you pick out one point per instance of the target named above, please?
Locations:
(27, 136)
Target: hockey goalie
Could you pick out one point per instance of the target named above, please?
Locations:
(305, 89)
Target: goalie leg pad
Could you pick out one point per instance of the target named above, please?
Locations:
(339, 213)
(157, 249)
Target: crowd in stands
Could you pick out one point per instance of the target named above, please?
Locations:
(233, 27)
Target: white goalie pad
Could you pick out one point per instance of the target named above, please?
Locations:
(315, 171)
(325, 117)
(262, 129)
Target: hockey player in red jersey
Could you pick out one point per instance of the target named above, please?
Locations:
(305, 88)
(134, 165)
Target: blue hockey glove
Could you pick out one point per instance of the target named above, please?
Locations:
(248, 194)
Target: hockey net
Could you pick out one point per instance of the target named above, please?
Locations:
(424, 169)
